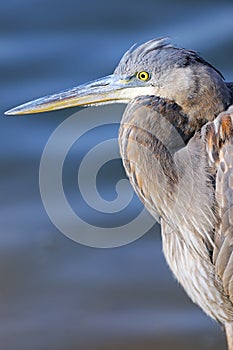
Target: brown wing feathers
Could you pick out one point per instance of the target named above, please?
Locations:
(220, 151)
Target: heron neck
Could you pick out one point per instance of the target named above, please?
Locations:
(152, 130)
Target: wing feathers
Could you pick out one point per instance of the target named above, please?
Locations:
(220, 142)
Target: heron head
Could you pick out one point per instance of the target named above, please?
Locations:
(153, 68)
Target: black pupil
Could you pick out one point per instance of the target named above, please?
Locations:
(143, 75)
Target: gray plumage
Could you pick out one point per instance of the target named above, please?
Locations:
(192, 194)
(176, 143)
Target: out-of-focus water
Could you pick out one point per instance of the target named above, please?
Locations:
(54, 293)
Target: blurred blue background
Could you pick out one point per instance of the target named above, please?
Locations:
(55, 293)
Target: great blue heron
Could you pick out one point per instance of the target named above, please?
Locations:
(191, 187)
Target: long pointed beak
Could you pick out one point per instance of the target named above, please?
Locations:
(110, 89)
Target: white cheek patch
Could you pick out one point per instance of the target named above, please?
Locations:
(130, 93)
(122, 95)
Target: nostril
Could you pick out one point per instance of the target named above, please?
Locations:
(98, 84)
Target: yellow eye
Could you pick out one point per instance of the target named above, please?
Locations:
(143, 75)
